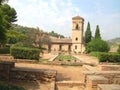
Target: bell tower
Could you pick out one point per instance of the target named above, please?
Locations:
(77, 35)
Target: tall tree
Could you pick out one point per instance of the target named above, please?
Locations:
(10, 15)
(2, 1)
(88, 34)
(37, 38)
(2, 30)
(97, 33)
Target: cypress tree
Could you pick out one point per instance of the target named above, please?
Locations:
(88, 34)
(97, 33)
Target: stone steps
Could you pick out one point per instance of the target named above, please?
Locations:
(90, 68)
(69, 83)
(52, 59)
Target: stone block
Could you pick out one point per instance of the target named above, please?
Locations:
(108, 87)
(110, 67)
(93, 81)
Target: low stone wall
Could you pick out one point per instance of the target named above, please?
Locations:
(32, 74)
(108, 87)
(93, 81)
(6, 57)
(9, 72)
(113, 76)
(5, 68)
(89, 68)
(70, 83)
(66, 85)
(109, 67)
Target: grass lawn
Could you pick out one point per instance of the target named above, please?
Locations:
(66, 57)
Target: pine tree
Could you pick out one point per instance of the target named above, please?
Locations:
(97, 33)
(88, 34)
(2, 30)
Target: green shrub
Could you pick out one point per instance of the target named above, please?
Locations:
(118, 50)
(5, 86)
(109, 57)
(96, 54)
(5, 50)
(25, 53)
(97, 45)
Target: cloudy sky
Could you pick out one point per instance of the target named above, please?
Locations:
(57, 15)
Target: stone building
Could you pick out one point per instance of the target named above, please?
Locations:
(75, 44)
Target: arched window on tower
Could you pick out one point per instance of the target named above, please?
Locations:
(77, 27)
(76, 38)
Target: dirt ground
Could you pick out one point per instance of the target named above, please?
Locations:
(63, 72)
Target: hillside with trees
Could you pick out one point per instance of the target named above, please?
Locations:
(114, 41)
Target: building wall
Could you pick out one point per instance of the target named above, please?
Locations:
(56, 47)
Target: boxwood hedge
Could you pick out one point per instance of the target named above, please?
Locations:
(5, 50)
(25, 53)
(109, 57)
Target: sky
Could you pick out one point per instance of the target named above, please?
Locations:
(56, 15)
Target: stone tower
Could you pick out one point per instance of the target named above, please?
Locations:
(77, 35)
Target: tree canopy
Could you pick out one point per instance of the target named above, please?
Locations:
(2, 30)
(36, 38)
(54, 34)
(9, 14)
(2, 1)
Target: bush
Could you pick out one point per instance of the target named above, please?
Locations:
(25, 53)
(4, 86)
(109, 57)
(118, 50)
(5, 50)
(97, 45)
(96, 54)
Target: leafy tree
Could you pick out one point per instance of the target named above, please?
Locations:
(2, 30)
(97, 45)
(10, 15)
(88, 34)
(118, 50)
(2, 1)
(14, 36)
(37, 38)
(97, 33)
(54, 34)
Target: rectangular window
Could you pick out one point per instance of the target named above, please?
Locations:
(75, 46)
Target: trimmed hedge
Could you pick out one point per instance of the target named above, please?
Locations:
(109, 57)
(96, 54)
(5, 50)
(4, 86)
(25, 53)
